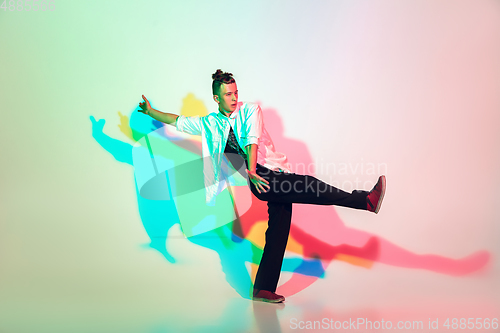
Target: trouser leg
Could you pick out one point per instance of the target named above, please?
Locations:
(280, 217)
(294, 188)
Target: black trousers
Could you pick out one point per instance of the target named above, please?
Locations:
(286, 189)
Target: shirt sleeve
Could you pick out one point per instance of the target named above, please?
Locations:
(190, 125)
(253, 126)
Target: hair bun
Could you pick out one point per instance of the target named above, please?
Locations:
(217, 75)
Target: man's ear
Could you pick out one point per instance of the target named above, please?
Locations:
(216, 99)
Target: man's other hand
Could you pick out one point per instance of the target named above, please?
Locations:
(259, 182)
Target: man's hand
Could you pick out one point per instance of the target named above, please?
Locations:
(145, 106)
(259, 182)
(167, 118)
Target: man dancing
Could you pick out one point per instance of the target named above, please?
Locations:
(237, 129)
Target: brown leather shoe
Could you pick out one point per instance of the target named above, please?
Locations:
(376, 195)
(267, 296)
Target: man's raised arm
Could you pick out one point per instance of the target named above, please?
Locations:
(167, 118)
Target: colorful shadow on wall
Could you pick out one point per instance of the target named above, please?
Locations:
(169, 186)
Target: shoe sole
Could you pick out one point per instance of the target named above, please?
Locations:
(279, 300)
(379, 203)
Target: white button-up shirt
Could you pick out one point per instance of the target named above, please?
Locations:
(248, 127)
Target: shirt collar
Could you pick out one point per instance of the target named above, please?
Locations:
(232, 115)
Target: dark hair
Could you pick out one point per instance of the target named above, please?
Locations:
(219, 78)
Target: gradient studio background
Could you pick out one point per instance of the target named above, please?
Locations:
(409, 85)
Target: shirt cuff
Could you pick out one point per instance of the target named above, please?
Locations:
(251, 140)
(179, 123)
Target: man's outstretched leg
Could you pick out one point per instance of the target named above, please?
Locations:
(266, 280)
(295, 188)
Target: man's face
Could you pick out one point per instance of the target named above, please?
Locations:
(228, 97)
